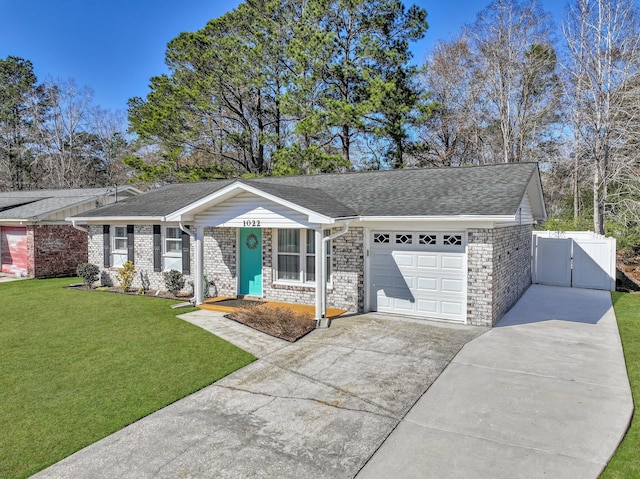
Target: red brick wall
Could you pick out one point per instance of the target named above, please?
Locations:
(55, 250)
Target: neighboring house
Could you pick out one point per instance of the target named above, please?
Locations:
(35, 239)
(451, 244)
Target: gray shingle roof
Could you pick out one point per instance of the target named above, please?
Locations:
(37, 204)
(492, 190)
(160, 202)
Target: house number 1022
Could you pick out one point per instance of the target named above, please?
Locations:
(251, 223)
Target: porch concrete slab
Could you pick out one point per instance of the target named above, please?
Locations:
(543, 394)
(317, 408)
(255, 342)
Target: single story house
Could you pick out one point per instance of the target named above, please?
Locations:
(35, 239)
(452, 244)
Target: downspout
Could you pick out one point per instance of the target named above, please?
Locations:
(324, 322)
(79, 228)
(186, 230)
(197, 280)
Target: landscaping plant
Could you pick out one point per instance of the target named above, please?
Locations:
(174, 281)
(88, 272)
(125, 275)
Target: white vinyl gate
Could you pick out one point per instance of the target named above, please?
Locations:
(574, 259)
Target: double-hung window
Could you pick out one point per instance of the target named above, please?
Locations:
(296, 256)
(289, 266)
(172, 248)
(120, 239)
(120, 246)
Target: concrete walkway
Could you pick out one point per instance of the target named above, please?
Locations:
(543, 394)
(5, 278)
(318, 408)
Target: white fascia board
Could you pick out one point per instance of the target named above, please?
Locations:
(116, 219)
(187, 213)
(534, 190)
(453, 219)
(21, 221)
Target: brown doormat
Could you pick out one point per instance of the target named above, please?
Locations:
(238, 303)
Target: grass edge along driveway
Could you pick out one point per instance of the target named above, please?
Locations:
(625, 463)
(76, 366)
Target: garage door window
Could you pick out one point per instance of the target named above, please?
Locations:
(448, 241)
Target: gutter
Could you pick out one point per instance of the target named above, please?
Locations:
(184, 229)
(79, 228)
(197, 286)
(323, 321)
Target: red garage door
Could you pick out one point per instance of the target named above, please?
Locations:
(13, 249)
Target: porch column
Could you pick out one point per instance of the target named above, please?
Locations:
(198, 286)
(319, 275)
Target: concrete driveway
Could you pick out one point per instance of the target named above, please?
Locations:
(543, 394)
(318, 408)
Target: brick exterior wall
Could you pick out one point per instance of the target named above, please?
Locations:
(219, 250)
(499, 271)
(219, 245)
(145, 276)
(346, 290)
(499, 268)
(55, 250)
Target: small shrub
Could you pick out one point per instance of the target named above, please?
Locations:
(88, 272)
(277, 321)
(174, 281)
(206, 291)
(125, 275)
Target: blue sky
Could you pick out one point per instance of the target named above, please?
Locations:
(114, 47)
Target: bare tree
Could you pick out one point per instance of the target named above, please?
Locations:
(113, 142)
(603, 41)
(67, 156)
(451, 131)
(515, 63)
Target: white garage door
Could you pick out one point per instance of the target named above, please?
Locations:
(419, 274)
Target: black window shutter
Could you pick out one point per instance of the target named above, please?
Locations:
(130, 244)
(157, 249)
(186, 253)
(106, 242)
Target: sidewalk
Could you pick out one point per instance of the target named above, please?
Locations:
(543, 394)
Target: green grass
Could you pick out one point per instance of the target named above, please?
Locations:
(76, 366)
(625, 463)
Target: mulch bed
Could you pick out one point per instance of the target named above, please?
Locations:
(275, 321)
(133, 292)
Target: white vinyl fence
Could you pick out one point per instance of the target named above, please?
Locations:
(578, 259)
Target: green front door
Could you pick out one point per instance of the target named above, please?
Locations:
(250, 248)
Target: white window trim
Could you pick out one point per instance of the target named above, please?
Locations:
(114, 237)
(166, 238)
(302, 254)
(168, 255)
(118, 256)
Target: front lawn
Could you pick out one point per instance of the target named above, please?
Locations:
(626, 461)
(76, 366)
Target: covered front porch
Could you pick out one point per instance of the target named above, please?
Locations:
(272, 250)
